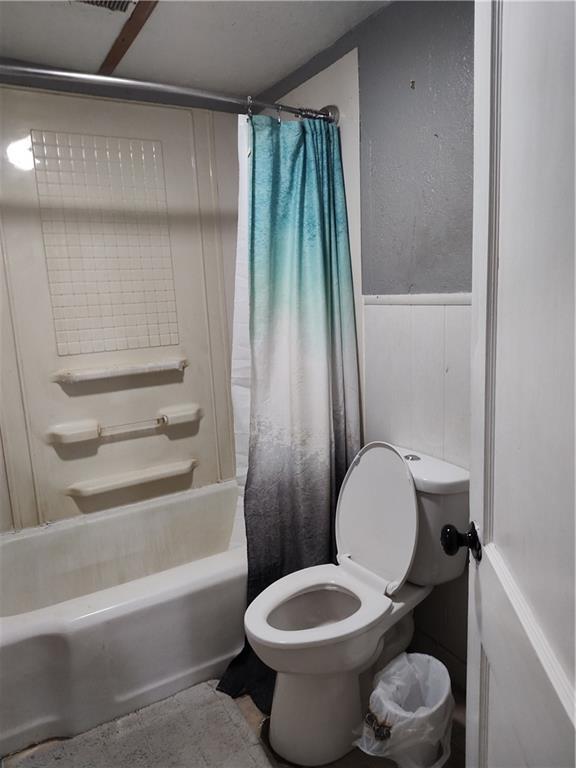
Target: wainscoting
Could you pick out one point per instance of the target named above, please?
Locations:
(417, 385)
(417, 372)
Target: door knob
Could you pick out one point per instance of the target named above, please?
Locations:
(451, 540)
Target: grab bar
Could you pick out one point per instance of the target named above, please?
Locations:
(91, 429)
(129, 479)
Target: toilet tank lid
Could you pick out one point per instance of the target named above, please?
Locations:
(435, 476)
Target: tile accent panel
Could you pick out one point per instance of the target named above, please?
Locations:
(104, 224)
(417, 373)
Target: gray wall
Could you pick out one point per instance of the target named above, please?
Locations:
(416, 144)
(416, 148)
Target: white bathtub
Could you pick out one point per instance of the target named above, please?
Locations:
(104, 614)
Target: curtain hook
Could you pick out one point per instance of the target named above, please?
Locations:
(279, 110)
(249, 107)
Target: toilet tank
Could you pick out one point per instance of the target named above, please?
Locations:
(442, 492)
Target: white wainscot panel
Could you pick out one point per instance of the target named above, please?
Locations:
(457, 385)
(417, 373)
(427, 385)
(388, 373)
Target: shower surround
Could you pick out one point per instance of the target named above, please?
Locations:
(117, 234)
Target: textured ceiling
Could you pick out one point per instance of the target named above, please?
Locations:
(62, 34)
(235, 47)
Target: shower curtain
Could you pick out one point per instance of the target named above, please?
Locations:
(295, 366)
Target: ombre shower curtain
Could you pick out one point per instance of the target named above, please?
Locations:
(295, 366)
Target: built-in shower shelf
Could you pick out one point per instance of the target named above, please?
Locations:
(78, 375)
(129, 479)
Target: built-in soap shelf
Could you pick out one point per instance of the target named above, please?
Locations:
(123, 480)
(90, 429)
(79, 375)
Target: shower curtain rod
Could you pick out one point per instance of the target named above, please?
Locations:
(32, 76)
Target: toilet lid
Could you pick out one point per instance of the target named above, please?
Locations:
(377, 514)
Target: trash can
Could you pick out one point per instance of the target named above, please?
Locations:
(410, 715)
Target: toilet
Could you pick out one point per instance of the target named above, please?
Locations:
(323, 626)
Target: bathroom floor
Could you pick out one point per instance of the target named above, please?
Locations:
(196, 728)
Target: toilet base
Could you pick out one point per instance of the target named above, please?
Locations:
(314, 716)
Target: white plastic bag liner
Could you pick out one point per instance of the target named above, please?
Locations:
(410, 718)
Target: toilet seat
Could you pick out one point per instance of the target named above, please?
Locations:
(373, 606)
(376, 535)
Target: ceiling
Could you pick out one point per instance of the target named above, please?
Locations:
(235, 47)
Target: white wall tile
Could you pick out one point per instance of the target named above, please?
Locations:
(105, 230)
(417, 376)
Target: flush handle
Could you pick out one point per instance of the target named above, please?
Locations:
(451, 540)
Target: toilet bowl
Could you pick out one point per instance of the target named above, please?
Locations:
(321, 627)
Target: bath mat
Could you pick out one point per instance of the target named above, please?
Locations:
(197, 728)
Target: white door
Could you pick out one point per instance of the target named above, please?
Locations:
(521, 626)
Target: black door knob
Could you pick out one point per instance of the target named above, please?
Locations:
(451, 540)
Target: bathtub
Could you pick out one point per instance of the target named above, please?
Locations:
(106, 613)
